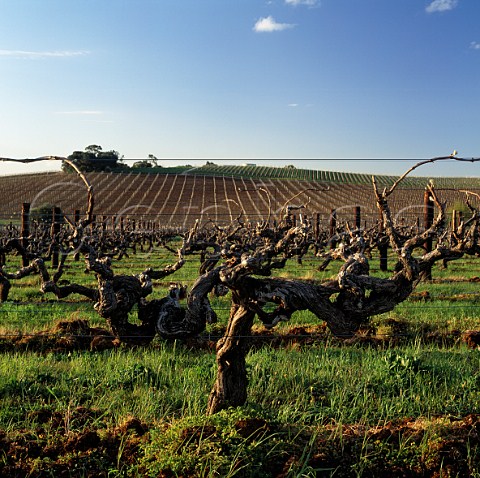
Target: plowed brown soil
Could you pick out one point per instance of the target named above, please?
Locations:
(439, 447)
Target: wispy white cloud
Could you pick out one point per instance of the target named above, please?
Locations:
(39, 55)
(475, 45)
(268, 24)
(310, 3)
(80, 112)
(91, 116)
(441, 6)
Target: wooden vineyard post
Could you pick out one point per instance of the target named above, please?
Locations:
(25, 230)
(428, 213)
(54, 233)
(317, 231)
(454, 220)
(104, 226)
(133, 227)
(333, 228)
(358, 217)
(382, 246)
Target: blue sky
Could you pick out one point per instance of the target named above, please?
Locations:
(191, 80)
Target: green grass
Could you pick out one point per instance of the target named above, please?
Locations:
(162, 382)
(351, 385)
(308, 397)
(298, 393)
(307, 386)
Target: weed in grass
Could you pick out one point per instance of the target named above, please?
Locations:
(231, 443)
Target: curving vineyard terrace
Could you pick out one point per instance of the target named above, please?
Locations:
(179, 200)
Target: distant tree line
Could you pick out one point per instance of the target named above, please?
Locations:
(94, 159)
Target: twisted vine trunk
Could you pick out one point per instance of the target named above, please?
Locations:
(230, 388)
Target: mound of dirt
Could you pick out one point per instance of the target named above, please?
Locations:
(433, 447)
(65, 336)
(87, 452)
(77, 334)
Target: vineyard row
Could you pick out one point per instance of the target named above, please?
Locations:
(179, 200)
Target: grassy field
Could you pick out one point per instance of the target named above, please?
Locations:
(402, 398)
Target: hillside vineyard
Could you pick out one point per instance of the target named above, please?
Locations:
(178, 200)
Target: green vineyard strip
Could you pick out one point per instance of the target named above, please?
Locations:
(272, 172)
